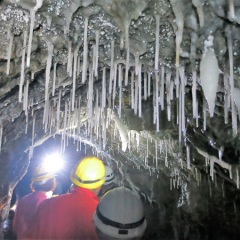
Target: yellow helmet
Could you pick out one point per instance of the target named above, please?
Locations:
(40, 174)
(89, 173)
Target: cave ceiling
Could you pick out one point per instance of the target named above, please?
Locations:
(152, 82)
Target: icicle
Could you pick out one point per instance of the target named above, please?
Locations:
(132, 90)
(231, 9)
(111, 67)
(128, 53)
(231, 80)
(22, 65)
(75, 55)
(69, 61)
(120, 89)
(168, 88)
(32, 20)
(177, 7)
(54, 79)
(177, 82)
(204, 115)
(188, 157)
(58, 109)
(166, 159)
(33, 129)
(9, 51)
(149, 84)
(85, 51)
(90, 93)
(145, 86)
(104, 88)
(209, 75)
(78, 65)
(212, 170)
(1, 134)
(25, 97)
(162, 88)
(140, 90)
(194, 79)
(182, 76)
(156, 100)
(198, 5)
(197, 113)
(156, 151)
(237, 178)
(179, 115)
(114, 82)
(157, 17)
(97, 47)
(226, 98)
(48, 67)
(136, 96)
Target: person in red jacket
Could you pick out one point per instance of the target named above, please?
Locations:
(70, 216)
(43, 182)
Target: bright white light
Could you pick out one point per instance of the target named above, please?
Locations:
(53, 162)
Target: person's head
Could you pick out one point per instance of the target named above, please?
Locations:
(43, 180)
(109, 183)
(120, 215)
(89, 173)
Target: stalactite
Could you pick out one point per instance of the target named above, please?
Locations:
(22, 66)
(9, 51)
(85, 51)
(157, 18)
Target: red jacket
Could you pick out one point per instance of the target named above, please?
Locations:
(25, 213)
(69, 216)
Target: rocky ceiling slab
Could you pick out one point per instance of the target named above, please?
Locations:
(153, 81)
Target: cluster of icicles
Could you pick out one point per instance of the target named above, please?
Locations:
(143, 84)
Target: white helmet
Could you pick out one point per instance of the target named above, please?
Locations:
(109, 175)
(120, 214)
